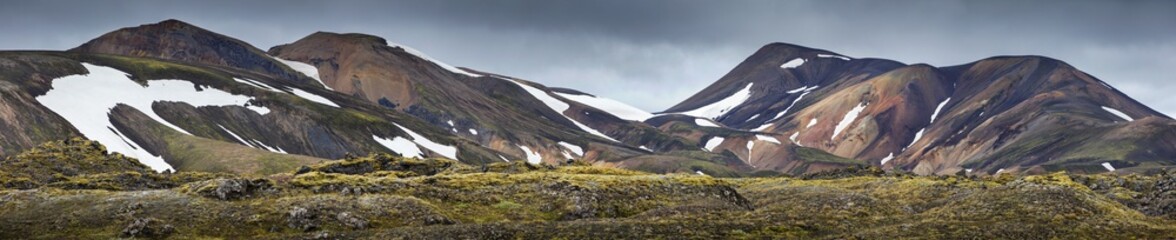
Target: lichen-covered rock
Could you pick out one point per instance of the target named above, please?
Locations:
(232, 189)
(147, 228)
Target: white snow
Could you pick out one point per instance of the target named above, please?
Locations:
(305, 69)
(445, 150)
(793, 138)
(297, 92)
(450, 122)
(85, 101)
(614, 107)
(767, 138)
(473, 131)
(833, 56)
(234, 135)
(761, 128)
(1108, 166)
(713, 143)
(705, 122)
(1118, 113)
(969, 170)
(558, 106)
(812, 123)
(402, 146)
(806, 91)
(422, 55)
(750, 146)
(266, 147)
(796, 62)
(918, 135)
(644, 148)
(887, 158)
(848, 119)
(803, 89)
(503, 158)
(312, 97)
(256, 84)
(575, 149)
(699, 173)
(532, 157)
(718, 108)
(939, 108)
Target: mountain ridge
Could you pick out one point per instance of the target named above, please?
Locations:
(786, 108)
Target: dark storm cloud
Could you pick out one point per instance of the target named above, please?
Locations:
(655, 53)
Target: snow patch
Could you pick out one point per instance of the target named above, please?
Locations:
(445, 150)
(887, 158)
(750, 146)
(450, 122)
(238, 138)
(571, 147)
(558, 106)
(312, 97)
(833, 56)
(803, 89)
(767, 138)
(1108, 166)
(1118, 113)
(267, 147)
(705, 122)
(85, 100)
(793, 63)
(473, 131)
(614, 107)
(532, 157)
(422, 55)
(718, 108)
(918, 135)
(713, 143)
(848, 119)
(304, 68)
(401, 146)
(793, 138)
(811, 123)
(939, 108)
(297, 92)
(644, 148)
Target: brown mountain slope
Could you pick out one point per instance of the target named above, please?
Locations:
(1003, 114)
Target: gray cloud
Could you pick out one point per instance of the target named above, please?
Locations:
(653, 54)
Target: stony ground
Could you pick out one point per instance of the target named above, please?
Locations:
(74, 190)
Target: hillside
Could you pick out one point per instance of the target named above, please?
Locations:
(95, 195)
(1008, 114)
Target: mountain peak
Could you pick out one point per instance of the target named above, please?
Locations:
(172, 23)
(177, 40)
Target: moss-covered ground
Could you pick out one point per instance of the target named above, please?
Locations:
(75, 190)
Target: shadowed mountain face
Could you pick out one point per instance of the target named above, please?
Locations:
(180, 97)
(1003, 114)
(179, 41)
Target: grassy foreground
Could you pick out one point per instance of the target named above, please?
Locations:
(74, 190)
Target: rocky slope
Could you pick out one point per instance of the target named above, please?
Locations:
(1003, 114)
(180, 97)
(89, 194)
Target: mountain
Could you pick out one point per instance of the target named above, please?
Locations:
(1003, 114)
(504, 113)
(180, 97)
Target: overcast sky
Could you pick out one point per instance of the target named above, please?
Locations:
(653, 54)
